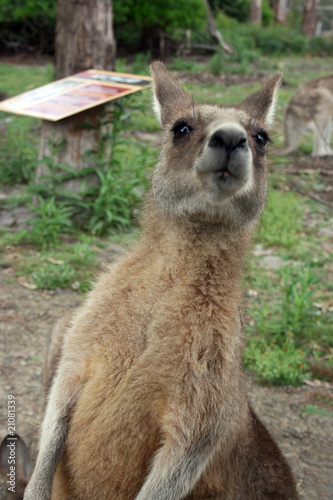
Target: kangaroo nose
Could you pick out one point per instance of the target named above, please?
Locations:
(229, 139)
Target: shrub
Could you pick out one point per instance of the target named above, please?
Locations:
(321, 45)
(136, 22)
(27, 23)
(267, 40)
(276, 365)
(121, 172)
(18, 153)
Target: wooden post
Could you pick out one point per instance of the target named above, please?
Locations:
(77, 141)
(84, 39)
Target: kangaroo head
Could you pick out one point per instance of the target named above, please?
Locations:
(212, 167)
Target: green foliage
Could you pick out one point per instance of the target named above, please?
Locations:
(280, 327)
(266, 40)
(240, 9)
(16, 10)
(217, 63)
(298, 286)
(321, 45)
(120, 168)
(30, 23)
(313, 410)
(286, 317)
(51, 221)
(282, 220)
(135, 20)
(141, 63)
(18, 155)
(276, 365)
(52, 276)
(280, 40)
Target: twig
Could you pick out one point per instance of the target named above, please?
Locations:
(312, 196)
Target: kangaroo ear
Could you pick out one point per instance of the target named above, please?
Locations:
(261, 104)
(169, 96)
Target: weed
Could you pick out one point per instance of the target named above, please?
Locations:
(217, 63)
(52, 220)
(141, 63)
(18, 153)
(313, 410)
(52, 276)
(275, 364)
(120, 165)
(282, 220)
(298, 287)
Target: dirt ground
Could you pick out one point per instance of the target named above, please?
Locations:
(26, 318)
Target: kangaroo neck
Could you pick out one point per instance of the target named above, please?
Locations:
(197, 251)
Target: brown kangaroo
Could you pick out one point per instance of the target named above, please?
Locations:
(149, 401)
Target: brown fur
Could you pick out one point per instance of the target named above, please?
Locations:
(149, 399)
(310, 109)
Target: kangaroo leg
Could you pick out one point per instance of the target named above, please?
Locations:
(293, 132)
(265, 474)
(327, 136)
(322, 137)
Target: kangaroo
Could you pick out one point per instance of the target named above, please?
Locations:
(311, 109)
(149, 401)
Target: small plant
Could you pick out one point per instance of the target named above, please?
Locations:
(282, 220)
(298, 286)
(120, 165)
(276, 365)
(52, 276)
(313, 410)
(52, 220)
(286, 317)
(18, 153)
(217, 63)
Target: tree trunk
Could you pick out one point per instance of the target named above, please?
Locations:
(256, 12)
(84, 36)
(280, 11)
(309, 19)
(84, 39)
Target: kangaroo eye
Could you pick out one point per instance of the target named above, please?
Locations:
(261, 138)
(181, 130)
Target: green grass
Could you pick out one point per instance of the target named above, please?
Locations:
(18, 79)
(20, 142)
(313, 410)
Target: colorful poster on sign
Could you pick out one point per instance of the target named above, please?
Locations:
(74, 94)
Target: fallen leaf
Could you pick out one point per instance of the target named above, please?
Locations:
(24, 283)
(55, 261)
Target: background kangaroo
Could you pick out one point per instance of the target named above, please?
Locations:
(311, 109)
(149, 400)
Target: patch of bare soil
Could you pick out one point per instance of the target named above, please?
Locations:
(26, 318)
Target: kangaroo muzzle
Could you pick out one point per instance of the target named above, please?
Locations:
(226, 159)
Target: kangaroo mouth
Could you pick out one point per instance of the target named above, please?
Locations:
(222, 175)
